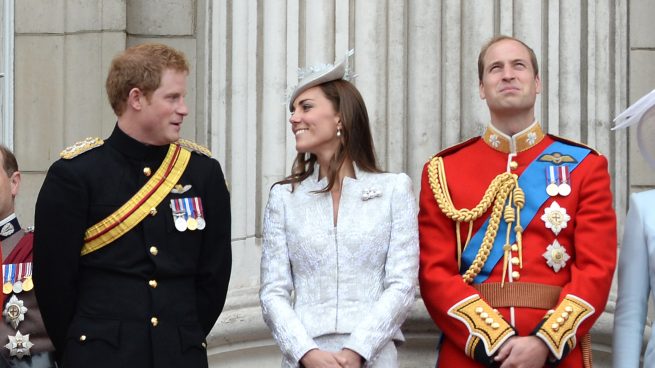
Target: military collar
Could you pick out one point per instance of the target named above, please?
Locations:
(521, 141)
(9, 226)
(133, 148)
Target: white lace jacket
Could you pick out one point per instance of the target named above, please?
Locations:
(358, 277)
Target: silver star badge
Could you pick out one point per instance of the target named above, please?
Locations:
(19, 345)
(15, 311)
(555, 217)
(532, 137)
(495, 142)
(556, 256)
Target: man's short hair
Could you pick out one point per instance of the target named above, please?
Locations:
(9, 162)
(141, 67)
(496, 39)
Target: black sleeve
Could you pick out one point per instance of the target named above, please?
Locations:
(216, 255)
(60, 222)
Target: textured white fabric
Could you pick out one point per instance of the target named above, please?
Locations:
(358, 278)
(386, 358)
(636, 280)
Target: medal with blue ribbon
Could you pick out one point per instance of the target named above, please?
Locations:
(531, 181)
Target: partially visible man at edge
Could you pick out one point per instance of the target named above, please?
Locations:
(133, 253)
(23, 338)
(519, 279)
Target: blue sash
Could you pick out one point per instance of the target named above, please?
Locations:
(533, 183)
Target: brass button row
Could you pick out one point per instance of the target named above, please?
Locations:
(562, 318)
(487, 320)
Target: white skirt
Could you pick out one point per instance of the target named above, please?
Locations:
(386, 358)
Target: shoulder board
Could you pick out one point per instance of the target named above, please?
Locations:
(574, 143)
(457, 147)
(80, 147)
(194, 147)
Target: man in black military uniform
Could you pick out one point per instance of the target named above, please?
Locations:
(132, 256)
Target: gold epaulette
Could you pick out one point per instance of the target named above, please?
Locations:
(575, 143)
(561, 325)
(80, 147)
(484, 323)
(194, 147)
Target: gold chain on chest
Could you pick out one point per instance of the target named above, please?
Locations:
(503, 189)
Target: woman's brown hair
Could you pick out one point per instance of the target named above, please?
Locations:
(356, 140)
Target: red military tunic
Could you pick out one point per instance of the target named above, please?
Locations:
(577, 292)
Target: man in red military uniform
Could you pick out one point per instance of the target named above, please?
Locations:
(517, 232)
(23, 339)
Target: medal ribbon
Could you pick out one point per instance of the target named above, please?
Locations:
(6, 269)
(531, 181)
(198, 206)
(138, 207)
(189, 207)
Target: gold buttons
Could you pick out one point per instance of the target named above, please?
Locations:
(204, 345)
(154, 250)
(489, 321)
(565, 316)
(515, 248)
(484, 315)
(515, 261)
(555, 326)
(495, 325)
(147, 171)
(152, 283)
(479, 310)
(153, 211)
(83, 338)
(569, 309)
(516, 275)
(560, 320)
(513, 165)
(154, 321)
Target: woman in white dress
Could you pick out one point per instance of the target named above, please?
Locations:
(340, 254)
(636, 270)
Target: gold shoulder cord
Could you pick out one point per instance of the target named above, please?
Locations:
(503, 189)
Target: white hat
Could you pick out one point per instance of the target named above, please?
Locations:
(640, 113)
(319, 74)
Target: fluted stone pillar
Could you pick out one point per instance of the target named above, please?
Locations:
(416, 63)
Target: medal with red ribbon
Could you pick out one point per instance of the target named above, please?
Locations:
(558, 181)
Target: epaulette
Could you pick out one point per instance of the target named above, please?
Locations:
(80, 147)
(579, 144)
(455, 148)
(194, 147)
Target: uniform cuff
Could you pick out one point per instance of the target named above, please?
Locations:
(559, 326)
(487, 328)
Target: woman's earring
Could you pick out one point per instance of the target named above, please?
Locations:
(338, 132)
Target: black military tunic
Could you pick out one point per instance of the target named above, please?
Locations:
(149, 298)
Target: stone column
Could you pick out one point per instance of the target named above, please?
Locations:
(62, 54)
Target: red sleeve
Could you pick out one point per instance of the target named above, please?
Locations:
(591, 273)
(451, 302)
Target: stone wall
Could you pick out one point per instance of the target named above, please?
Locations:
(417, 73)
